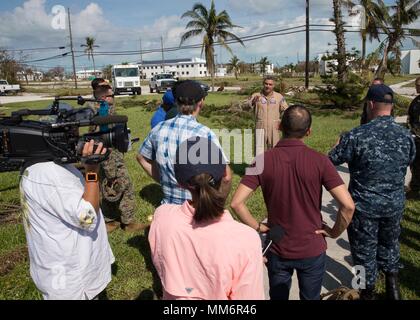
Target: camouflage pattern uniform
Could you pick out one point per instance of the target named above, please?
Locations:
(117, 192)
(414, 124)
(118, 200)
(378, 154)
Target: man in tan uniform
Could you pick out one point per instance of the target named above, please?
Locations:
(268, 107)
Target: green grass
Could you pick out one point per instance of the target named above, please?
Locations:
(132, 276)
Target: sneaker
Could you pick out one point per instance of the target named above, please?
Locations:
(111, 226)
(134, 227)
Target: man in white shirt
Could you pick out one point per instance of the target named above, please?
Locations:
(70, 257)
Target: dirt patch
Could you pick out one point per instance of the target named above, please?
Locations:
(9, 212)
(11, 259)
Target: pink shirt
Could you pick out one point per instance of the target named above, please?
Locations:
(217, 261)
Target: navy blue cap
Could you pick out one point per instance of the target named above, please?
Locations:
(188, 92)
(378, 93)
(198, 155)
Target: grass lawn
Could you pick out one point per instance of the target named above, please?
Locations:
(132, 276)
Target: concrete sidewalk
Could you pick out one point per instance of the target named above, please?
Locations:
(339, 263)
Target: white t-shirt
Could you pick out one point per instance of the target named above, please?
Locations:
(70, 257)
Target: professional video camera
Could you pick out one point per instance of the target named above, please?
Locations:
(26, 142)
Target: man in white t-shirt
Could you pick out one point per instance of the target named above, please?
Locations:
(70, 257)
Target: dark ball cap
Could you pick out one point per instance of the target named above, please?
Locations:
(188, 92)
(378, 93)
(198, 155)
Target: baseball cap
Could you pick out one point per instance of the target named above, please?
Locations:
(378, 93)
(168, 98)
(188, 92)
(198, 155)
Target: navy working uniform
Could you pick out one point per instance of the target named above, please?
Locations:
(378, 154)
(414, 124)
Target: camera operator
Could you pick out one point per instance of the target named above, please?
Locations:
(70, 257)
(117, 198)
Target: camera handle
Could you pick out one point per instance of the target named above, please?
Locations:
(96, 158)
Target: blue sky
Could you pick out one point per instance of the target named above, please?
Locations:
(118, 25)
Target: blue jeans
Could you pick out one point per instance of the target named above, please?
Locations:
(310, 273)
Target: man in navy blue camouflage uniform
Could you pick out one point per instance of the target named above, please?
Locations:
(378, 154)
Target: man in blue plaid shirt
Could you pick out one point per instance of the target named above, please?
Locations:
(157, 154)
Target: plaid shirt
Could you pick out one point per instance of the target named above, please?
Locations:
(161, 145)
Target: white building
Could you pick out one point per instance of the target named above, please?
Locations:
(30, 76)
(182, 68)
(269, 68)
(86, 74)
(410, 62)
(221, 71)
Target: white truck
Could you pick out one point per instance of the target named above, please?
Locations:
(6, 88)
(126, 78)
(161, 82)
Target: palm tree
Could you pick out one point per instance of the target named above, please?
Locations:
(398, 16)
(374, 16)
(214, 26)
(263, 64)
(234, 65)
(341, 42)
(90, 44)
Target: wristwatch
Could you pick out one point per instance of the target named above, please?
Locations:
(91, 177)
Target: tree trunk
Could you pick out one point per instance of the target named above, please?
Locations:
(341, 43)
(363, 49)
(94, 68)
(383, 65)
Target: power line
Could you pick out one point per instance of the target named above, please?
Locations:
(34, 49)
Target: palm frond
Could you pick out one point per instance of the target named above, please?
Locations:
(189, 34)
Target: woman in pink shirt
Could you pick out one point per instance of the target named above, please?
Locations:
(198, 249)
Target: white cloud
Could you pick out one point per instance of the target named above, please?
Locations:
(29, 26)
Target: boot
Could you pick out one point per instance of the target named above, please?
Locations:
(392, 287)
(367, 294)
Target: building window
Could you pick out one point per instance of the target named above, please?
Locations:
(177, 66)
(201, 72)
(182, 66)
(183, 72)
(188, 73)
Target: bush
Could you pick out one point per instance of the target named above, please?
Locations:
(342, 95)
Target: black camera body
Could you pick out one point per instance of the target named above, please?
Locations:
(26, 142)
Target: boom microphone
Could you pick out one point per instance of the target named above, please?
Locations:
(98, 120)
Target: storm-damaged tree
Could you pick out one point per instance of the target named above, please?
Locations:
(214, 28)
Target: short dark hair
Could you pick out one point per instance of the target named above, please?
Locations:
(95, 82)
(269, 78)
(296, 122)
(101, 91)
(378, 79)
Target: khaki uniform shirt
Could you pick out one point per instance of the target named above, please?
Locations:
(268, 111)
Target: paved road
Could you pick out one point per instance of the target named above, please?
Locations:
(409, 92)
(27, 97)
(339, 263)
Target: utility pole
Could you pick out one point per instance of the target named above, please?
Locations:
(71, 48)
(307, 47)
(163, 57)
(141, 62)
